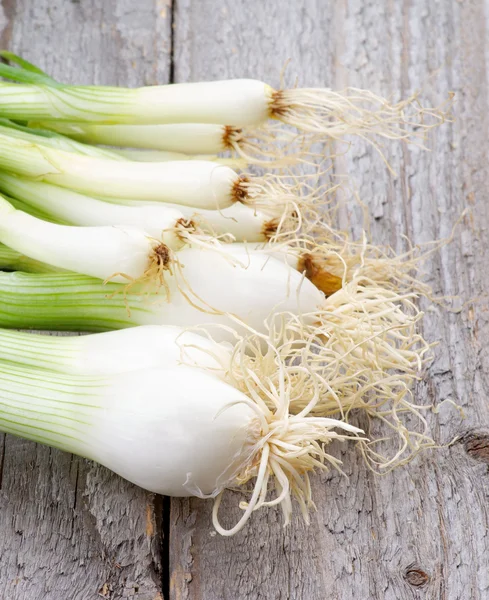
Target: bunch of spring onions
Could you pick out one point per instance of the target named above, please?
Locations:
(296, 327)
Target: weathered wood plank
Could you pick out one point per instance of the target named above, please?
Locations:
(69, 528)
(421, 531)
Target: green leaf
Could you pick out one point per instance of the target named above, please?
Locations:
(25, 64)
(26, 129)
(26, 72)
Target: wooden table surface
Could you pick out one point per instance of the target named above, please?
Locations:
(70, 530)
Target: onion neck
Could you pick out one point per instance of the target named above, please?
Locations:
(50, 409)
(67, 302)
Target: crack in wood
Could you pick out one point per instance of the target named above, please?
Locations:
(9, 9)
(173, 8)
(165, 547)
(75, 493)
(75, 499)
(2, 457)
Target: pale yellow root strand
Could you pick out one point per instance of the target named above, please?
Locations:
(273, 146)
(288, 447)
(356, 112)
(362, 354)
(334, 252)
(293, 202)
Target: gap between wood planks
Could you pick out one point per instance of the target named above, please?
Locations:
(165, 547)
(166, 505)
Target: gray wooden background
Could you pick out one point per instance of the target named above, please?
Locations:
(71, 530)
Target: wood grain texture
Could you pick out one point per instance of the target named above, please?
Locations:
(70, 529)
(421, 532)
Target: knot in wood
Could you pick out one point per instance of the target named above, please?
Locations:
(476, 444)
(416, 577)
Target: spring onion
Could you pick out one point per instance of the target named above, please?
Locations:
(166, 222)
(118, 253)
(186, 138)
(191, 434)
(239, 102)
(54, 140)
(205, 286)
(266, 145)
(115, 352)
(158, 221)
